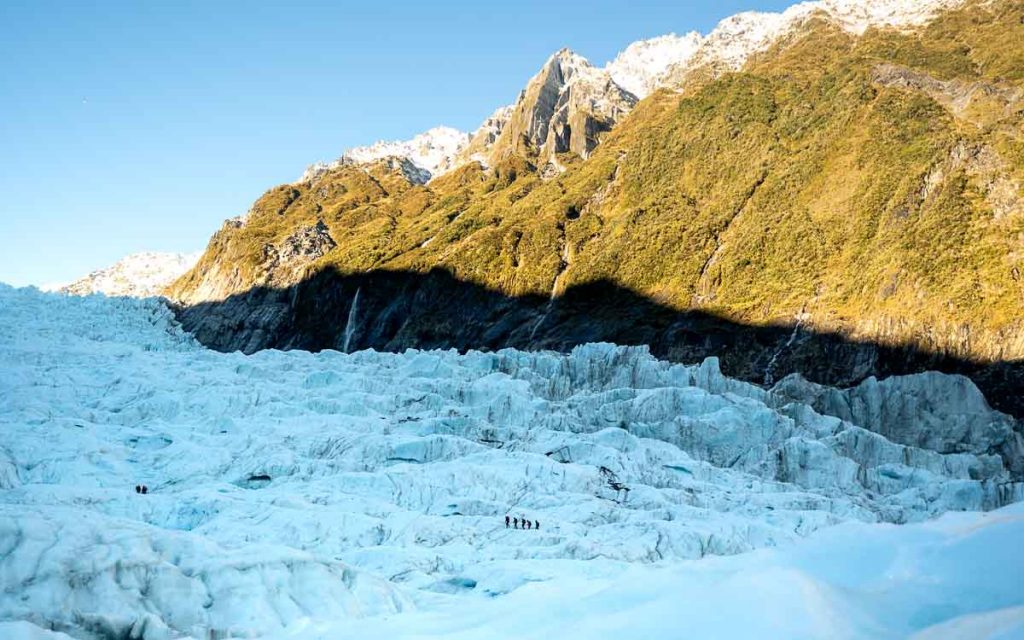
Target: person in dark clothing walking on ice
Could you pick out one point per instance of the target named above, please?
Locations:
(536, 524)
(507, 520)
(528, 523)
(515, 523)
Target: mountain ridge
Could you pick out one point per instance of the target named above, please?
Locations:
(645, 66)
(861, 185)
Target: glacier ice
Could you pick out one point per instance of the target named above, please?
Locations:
(321, 494)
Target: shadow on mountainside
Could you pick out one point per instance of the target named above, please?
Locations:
(395, 310)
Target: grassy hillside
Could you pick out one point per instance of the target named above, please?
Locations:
(870, 185)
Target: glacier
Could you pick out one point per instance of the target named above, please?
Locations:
(335, 495)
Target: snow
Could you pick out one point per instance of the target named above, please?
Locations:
(430, 153)
(140, 275)
(431, 150)
(332, 495)
(641, 66)
(647, 65)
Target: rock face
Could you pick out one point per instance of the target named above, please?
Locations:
(566, 107)
(483, 139)
(283, 260)
(139, 275)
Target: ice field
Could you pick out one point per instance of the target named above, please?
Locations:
(359, 496)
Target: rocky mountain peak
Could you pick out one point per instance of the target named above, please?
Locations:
(570, 103)
(566, 107)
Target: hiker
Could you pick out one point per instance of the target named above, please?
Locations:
(145, 489)
(138, 488)
(515, 523)
(528, 523)
(507, 520)
(536, 524)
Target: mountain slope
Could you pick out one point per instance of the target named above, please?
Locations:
(861, 191)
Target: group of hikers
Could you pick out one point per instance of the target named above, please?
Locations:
(517, 521)
(141, 488)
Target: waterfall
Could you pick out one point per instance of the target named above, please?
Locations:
(350, 324)
(562, 269)
(769, 371)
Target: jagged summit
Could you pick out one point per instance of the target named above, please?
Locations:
(570, 103)
(564, 108)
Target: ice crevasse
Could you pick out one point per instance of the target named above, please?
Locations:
(319, 495)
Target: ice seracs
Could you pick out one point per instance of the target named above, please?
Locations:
(290, 488)
(138, 275)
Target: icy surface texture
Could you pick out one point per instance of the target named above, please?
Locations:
(289, 490)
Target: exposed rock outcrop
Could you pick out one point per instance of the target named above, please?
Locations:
(566, 107)
(283, 260)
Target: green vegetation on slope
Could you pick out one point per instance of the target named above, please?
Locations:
(872, 183)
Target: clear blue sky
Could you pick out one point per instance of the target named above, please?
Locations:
(141, 125)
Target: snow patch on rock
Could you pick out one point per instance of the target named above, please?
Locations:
(138, 275)
(736, 38)
(430, 153)
(641, 66)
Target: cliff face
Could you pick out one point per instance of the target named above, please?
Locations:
(564, 109)
(845, 205)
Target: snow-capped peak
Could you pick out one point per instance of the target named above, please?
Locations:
(431, 150)
(857, 15)
(639, 69)
(430, 153)
(139, 275)
(649, 64)
(641, 65)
